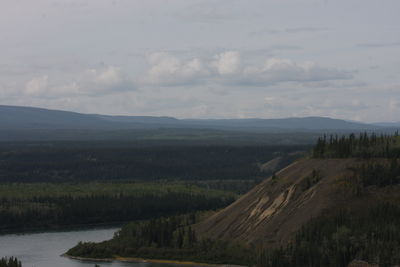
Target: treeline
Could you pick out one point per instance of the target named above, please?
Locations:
(165, 238)
(376, 173)
(332, 240)
(362, 146)
(52, 163)
(61, 211)
(10, 262)
(234, 186)
(371, 235)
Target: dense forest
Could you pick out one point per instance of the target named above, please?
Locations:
(380, 158)
(165, 238)
(336, 239)
(362, 146)
(31, 206)
(58, 184)
(57, 163)
(376, 173)
(10, 262)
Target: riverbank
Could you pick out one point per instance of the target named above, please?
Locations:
(61, 228)
(133, 260)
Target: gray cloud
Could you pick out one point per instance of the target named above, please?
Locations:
(305, 29)
(277, 70)
(378, 45)
(285, 47)
(205, 13)
(292, 30)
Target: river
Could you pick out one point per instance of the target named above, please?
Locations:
(44, 249)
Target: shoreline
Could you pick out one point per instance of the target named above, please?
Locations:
(132, 259)
(86, 259)
(61, 228)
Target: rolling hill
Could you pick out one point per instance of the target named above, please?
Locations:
(15, 117)
(38, 124)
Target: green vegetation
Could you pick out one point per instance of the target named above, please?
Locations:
(363, 146)
(380, 166)
(164, 238)
(375, 173)
(30, 206)
(334, 239)
(369, 231)
(157, 136)
(366, 227)
(10, 262)
(58, 184)
(372, 235)
(15, 191)
(235, 186)
(60, 163)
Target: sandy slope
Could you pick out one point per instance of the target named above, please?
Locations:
(276, 208)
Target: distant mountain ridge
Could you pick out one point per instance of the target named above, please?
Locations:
(304, 123)
(388, 124)
(16, 117)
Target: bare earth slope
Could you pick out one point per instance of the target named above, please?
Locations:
(275, 209)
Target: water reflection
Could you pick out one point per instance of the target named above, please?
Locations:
(44, 249)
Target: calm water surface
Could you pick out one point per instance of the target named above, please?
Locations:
(44, 249)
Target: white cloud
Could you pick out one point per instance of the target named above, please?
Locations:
(228, 68)
(92, 82)
(37, 86)
(166, 69)
(227, 62)
(111, 76)
(106, 80)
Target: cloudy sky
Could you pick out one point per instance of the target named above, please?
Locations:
(204, 59)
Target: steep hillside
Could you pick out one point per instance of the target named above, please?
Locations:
(340, 206)
(275, 209)
(272, 165)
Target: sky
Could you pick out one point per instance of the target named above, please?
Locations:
(204, 59)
